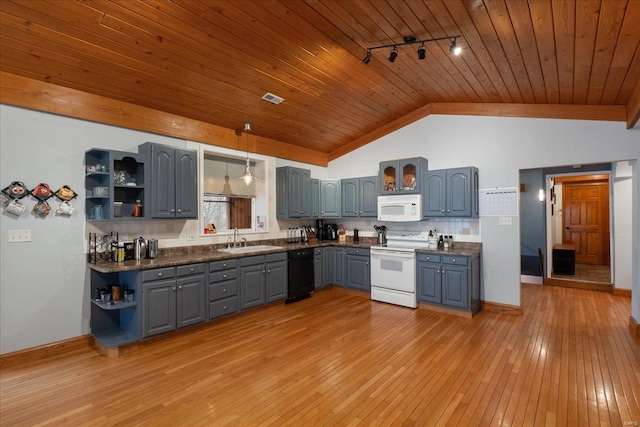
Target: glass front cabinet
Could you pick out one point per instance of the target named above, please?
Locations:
(402, 176)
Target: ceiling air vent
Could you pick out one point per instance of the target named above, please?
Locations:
(272, 98)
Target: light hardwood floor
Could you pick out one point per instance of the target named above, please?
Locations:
(341, 359)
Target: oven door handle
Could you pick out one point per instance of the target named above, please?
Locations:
(392, 253)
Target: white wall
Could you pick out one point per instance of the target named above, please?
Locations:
(622, 224)
(500, 147)
(44, 284)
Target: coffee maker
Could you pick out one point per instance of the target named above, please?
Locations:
(320, 229)
(331, 232)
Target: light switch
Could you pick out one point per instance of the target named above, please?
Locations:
(505, 220)
(16, 236)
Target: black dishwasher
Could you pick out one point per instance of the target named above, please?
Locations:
(300, 273)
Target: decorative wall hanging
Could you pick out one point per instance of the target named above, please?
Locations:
(16, 190)
(16, 207)
(66, 193)
(41, 209)
(42, 192)
(65, 209)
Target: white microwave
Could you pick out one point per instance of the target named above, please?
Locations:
(400, 208)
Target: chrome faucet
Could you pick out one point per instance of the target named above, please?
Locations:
(235, 236)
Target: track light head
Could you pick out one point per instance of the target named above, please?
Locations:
(422, 52)
(367, 58)
(394, 54)
(454, 48)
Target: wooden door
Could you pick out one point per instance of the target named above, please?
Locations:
(585, 216)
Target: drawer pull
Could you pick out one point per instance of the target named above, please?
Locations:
(454, 260)
(224, 265)
(224, 291)
(191, 270)
(224, 276)
(159, 274)
(224, 307)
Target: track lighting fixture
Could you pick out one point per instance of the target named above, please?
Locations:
(367, 58)
(454, 48)
(422, 52)
(394, 54)
(247, 177)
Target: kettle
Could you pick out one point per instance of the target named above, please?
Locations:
(139, 248)
(152, 245)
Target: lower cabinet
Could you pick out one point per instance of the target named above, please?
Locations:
(449, 280)
(338, 261)
(358, 272)
(223, 288)
(327, 266)
(263, 278)
(172, 297)
(318, 264)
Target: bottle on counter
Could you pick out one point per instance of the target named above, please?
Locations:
(446, 242)
(441, 241)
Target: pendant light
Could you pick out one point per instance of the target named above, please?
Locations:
(248, 177)
(226, 189)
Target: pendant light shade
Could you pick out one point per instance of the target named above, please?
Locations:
(248, 177)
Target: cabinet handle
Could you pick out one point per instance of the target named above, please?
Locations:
(442, 271)
(224, 291)
(224, 265)
(180, 287)
(224, 307)
(191, 270)
(367, 264)
(224, 276)
(448, 210)
(428, 258)
(173, 210)
(179, 210)
(442, 210)
(263, 271)
(268, 271)
(174, 289)
(159, 274)
(454, 260)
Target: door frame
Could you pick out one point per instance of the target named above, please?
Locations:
(550, 223)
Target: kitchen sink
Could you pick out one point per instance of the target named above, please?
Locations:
(248, 249)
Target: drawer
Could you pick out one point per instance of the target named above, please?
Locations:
(280, 256)
(223, 307)
(358, 251)
(429, 258)
(219, 276)
(223, 290)
(158, 273)
(458, 260)
(252, 260)
(223, 264)
(186, 270)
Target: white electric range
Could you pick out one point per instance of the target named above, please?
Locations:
(393, 267)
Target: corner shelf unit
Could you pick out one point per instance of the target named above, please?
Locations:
(124, 181)
(116, 324)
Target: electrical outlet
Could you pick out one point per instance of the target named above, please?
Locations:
(505, 220)
(16, 236)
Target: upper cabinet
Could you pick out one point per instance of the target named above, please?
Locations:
(450, 192)
(293, 192)
(174, 186)
(114, 183)
(360, 197)
(330, 195)
(402, 176)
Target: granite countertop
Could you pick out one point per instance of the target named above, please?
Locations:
(171, 257)
(459, 249)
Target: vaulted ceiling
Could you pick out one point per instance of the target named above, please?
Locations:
(212, 61)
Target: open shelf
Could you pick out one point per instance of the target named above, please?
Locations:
(113, 337)
(114, 305)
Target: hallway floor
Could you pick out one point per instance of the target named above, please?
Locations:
(588, 273)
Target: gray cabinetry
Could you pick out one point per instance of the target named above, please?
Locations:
(172, 297)
(338, 261)
(449, 280)
(121, 178)
(327, 265)
(117, 324)
(358, 272)
(317, 268)
(223, 288)
(174, 186)
(450, 192)
(315, 198)
(360, 197)
(293, 192)
(263, 278)
(330, 196)
(402, 176)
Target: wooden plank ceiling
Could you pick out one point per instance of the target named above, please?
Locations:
(212, 61)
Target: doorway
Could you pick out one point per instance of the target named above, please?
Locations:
(579, 222)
